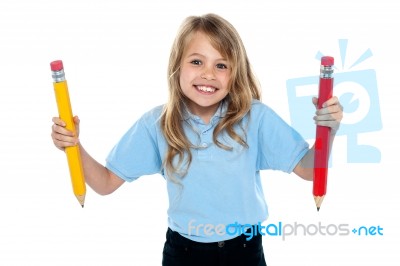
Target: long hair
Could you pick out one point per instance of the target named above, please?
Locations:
(242, 88)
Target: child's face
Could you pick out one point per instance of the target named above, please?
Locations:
(204, 76)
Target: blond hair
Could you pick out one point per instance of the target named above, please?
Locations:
(242, 87)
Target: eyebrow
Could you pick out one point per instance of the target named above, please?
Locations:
(197, 54)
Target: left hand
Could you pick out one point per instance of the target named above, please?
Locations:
(330, 114)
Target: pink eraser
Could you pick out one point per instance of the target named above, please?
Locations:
(56, 65)
(327, 61)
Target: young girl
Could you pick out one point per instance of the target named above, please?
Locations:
(209, 141)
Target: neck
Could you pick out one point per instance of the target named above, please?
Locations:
(205, 113)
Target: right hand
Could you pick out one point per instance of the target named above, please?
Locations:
(63, 137)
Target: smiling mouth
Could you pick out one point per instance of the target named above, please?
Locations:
(206, 89)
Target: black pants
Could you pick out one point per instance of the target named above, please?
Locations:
(180, 251)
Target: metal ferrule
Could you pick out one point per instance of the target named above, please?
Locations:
(58, 76)
(326, 72)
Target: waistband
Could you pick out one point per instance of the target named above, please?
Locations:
(177, 239)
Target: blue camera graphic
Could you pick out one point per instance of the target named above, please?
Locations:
(357, 92)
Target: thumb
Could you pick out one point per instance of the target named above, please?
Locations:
(77, 121)
(315, 102)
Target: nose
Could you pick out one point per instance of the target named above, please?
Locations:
(208, 73)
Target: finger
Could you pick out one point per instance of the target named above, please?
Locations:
(57, 146)
(64, 141)
(62, 130)
(315, 101)
(332, 124)
(337, 117)
(77, 121)
(58, 121)
(336, 108)
(62, 145)
(327, 117)
(64, 138)
(332, 101)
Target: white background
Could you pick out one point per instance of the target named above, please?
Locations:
(115, 55)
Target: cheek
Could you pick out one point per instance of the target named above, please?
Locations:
(185, 85)
(184, 76)
(226, 81)
(180, 80)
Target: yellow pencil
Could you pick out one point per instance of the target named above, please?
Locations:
(65, 113)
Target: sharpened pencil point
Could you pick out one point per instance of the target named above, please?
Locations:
(81, 199)
(318, 201)
(83, 206)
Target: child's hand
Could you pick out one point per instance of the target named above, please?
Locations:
(330, 114)
(61, 136)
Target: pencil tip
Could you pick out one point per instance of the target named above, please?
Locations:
(81, 199)
(318, 201)
(83, 206)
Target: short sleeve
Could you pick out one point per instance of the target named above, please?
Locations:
(137, 153)
(280, 146)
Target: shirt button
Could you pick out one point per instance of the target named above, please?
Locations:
(204, 145)
(221, 244)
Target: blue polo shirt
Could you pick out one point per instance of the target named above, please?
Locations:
(222, 187)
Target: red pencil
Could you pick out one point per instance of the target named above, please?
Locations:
(321, 155)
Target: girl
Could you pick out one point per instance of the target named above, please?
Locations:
(210, 142)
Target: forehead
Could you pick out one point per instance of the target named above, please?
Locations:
(200, 43)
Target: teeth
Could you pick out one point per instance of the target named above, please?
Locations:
(206, 89)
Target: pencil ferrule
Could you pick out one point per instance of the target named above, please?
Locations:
(58, 76)
(326, 72)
